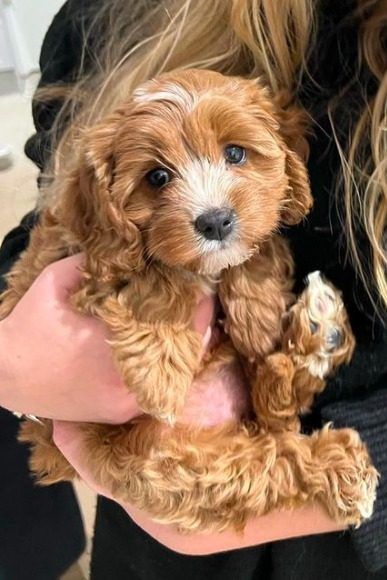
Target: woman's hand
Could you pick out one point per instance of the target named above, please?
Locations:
(55, 362)
(213, 398)
(275, 526)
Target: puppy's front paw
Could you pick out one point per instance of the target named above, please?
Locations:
(158, 363)
(350, 479)
(280, 366)
(318, 334)
(273, 395)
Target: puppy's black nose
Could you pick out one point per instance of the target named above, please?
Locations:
(216, 224)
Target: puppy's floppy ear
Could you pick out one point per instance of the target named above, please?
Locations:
(92, 209)
(299, 200)
(293, 127)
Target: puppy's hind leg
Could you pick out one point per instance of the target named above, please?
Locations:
(343, 479)
(46, 461)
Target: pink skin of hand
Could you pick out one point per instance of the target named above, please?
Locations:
(56, 363)
(44, 334)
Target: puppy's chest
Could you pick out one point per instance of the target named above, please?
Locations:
(167, 297)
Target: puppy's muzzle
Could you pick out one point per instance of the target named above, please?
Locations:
(216, 224)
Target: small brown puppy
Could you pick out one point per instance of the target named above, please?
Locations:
(180, 192)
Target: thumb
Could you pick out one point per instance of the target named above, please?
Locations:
(66, 275)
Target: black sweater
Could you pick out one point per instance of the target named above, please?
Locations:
(357, 396)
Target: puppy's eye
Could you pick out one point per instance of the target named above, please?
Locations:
(158, 177)
(235, 154)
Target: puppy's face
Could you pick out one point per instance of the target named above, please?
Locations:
(198, 165)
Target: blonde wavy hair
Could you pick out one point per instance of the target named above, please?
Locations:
(142, 39)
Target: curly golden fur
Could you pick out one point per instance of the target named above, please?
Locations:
(146, 266)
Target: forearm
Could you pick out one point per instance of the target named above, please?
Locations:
(5, 368)
(276, 526)
(12, 392)
(272, 527)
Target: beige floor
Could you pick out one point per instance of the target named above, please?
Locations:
(18, 182)
(18, 194)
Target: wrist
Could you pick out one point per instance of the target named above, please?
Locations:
(7, 371)
(272, 527)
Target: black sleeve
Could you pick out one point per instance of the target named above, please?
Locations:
(367, 369)
(357, 395)
(368, 415)
(13, 244)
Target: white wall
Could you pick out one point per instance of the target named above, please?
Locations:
(34, 18)
(27, 22)
(6, 59)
